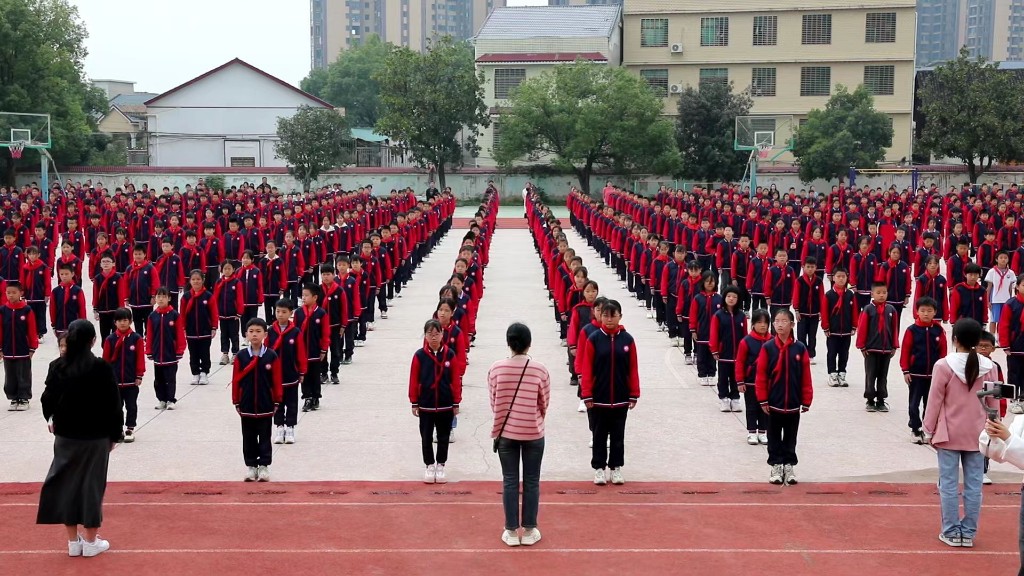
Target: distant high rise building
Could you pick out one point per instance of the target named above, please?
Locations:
(990, 28)
(339, 24)
(940, 26)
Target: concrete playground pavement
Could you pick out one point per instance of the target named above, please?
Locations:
(365, 430)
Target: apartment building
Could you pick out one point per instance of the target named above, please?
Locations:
(790, 54)
(339, 24)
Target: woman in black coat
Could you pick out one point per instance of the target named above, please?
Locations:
(82, 405)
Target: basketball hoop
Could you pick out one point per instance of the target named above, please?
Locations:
(17, 148)
(763, 150)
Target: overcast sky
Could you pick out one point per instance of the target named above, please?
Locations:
(162, 44)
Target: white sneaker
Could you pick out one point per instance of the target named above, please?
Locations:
(986, 480)
(833, 380)
(752, 439)
(776, 475)
(384, 315)
(677, 342)
(530, 537)
(289, 434)
(709, 381)
(195, 380)
(160, 406)
(370, 327)
(278, 435)
(582, 407)
(250, 474)
(75, 547)
(599, 477)
(360, 343)
(439, 476)
(788, 474)
(762, 438)
(262, 474)
(565, 343)
(842, 380)
(94, 548)
(129, 436)
(640, 304)
(814, 361)
(451, 436)
(1016, 407)
(736, 405)
(171, 405)
(726, 405)
(430, 476)
(650, 314)
(551, 304)
(590, 443)
(617, 476)
(204, 378)
(510, 538)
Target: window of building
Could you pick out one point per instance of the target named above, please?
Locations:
(505, 79)
(657, 79)
(880, 27)
(817, 29)
(714, 31)
(880, 80)
(762, 82)
(243, 162)
(495, 134)
(815, 81)
(766, 30)
(710, 75)
(654, 32)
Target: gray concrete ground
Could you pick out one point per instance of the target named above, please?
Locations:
(365, 430)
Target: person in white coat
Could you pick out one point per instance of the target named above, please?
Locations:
(1006, 444)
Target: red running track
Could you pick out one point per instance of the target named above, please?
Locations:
(407, 528)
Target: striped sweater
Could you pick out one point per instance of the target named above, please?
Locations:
(526, 421)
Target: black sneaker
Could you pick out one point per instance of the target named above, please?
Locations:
(870, 406)
(307, 405)
(881, 406)
(346, 361)
(574, 381)
(323, 378)
(22, 404)
(334, 379)
(316, 403)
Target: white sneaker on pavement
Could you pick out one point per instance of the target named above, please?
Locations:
(161, 405)
(1016, 407)
(530, 537)
(736, 405)
(726, 405)
(262, 474)
(762, 438)
(250, 474)
(599, 477)
(752, 439)
(94, 548)
(439, 475)
(582, 407)
(278, 437)
(617, 477)
(776, 475)
(430, 476)
(510, 538)
(289, 434)
(195, 380)
(204, 378)
(687, 359)
(789, 474)
(75, 547)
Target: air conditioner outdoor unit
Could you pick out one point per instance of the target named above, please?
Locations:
(677, 48)
(675, 88)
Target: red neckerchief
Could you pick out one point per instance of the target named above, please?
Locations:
(191, 301)
(276, 327)
(121, 337)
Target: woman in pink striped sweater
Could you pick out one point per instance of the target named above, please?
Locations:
(520, 391)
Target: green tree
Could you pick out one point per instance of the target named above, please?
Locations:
(349, 82)
(848, 132)
(42, 48)
(587, 116)
(429, 100)
(108, 151)
(972, 112)
(312, 142)
(705, 130)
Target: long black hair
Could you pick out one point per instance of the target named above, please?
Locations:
(967, 333)
(79, 358)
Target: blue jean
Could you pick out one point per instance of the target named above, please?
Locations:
(509, 452)
(950, 462)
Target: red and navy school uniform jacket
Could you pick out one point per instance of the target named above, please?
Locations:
(741, 265)
(67, 304)
(1011, 326)
(250, 281)
(18, 337)
(1017, 260)
(727, 329)
(724, 252)
(165, 336)
(838, 256)
(920, 255)
(200, 312)
(955, 269)
(292, 264)
(270, 271)
(608, 368)
(896, 276)
(702, 308)
(818, 250)
(778, 285)
(35, 281)
(352, 294)
(45, 246)
(923, 344)
(76, 265)
(227, 294)
(336, 303)
(109, 292)
(878, 328)
(11, 259)
(987, 254)
(170, 272)
(289, 346)
(657, 267)
(839, 314)
(968, 302)
(688, 287)
(808, 294)
(935, 288)
(863, 269)
(371, 269)
(192, 258)
(455, 338)
(212, 249)
(142, 285)
(746, 357)
(435, 384)
(232, 244)
(315, 327)
(783, 381)
(126, 354)
(251, 240)
(668, 283)
(122, 252)
(756, 275)
(256, 388)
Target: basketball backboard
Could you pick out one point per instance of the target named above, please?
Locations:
(31, 129)
(760, 131)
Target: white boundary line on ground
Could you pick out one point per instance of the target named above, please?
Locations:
(546, 504)
(537, 550)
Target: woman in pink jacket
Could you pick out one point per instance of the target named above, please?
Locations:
(953, 420)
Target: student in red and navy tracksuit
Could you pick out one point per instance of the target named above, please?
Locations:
(746, 371)
(808, 294)
(18, 342)
(142, 285)
(169, 271)
(895, 272)
(165, 345)
(1011, 340)
(933, 285)
(688, 288)
(125, 351)
(350, 325)
(292, 267)
(67, 302)
(877, 338)
(702, 308)
(250, 281)
(35, 281)
(256, 392)
(227, 293)
(969, 299)
(336, 303)
(610, 384)
(784, 391)
(728, 327)
(779, 282)
(924, 342)
(270, 269)
(285, 338)
(199, 308)
(435, 391)
(315, 326)
(839, 316)
(109, 290)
